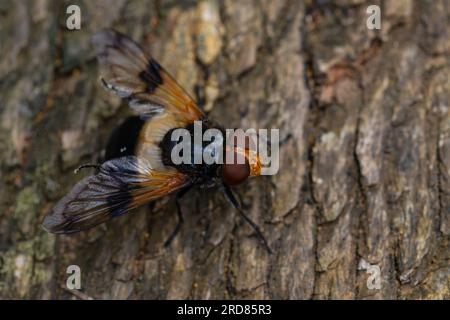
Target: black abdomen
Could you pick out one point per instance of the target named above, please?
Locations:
(124, 139)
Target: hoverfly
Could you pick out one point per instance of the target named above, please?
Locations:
(140, 169)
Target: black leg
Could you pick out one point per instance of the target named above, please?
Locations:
(175, 231)
(85, 166)
(230, 196)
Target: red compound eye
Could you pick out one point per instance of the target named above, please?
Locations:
(234, 173)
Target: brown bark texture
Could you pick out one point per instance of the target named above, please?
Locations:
(364, 119)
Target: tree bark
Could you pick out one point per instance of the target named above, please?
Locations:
(364, 119)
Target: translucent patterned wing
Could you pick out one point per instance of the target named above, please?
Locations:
(120, 185)
(140, 79)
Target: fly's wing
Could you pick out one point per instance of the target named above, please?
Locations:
(140, 79)
(120, 185)
(133, 75)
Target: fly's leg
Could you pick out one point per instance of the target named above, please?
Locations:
(233, 200)
(86, 166)
(175, 231)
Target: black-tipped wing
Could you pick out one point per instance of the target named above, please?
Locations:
(140, 79)
(120, 185)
